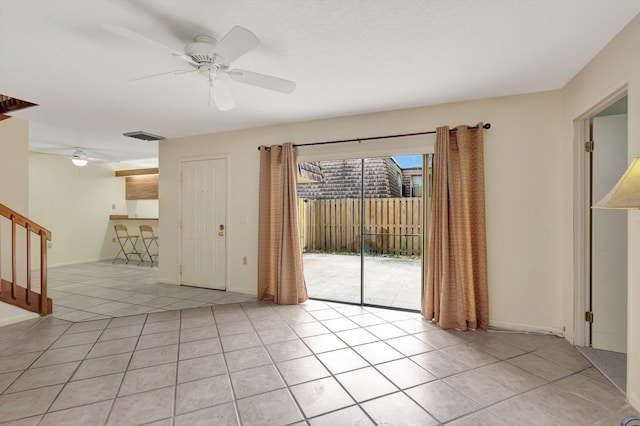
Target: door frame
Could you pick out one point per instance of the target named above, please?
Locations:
(581, 215)
(227, 265)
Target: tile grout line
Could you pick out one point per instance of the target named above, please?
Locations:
(226, 366)
(4, 392)
(124, 375)
(275, 365)
(470, 368)
(289, 326)
(331, 374)
(175, 386)
(371, 365)
(64, 385)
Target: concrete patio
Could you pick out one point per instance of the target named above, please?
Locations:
(388, 281)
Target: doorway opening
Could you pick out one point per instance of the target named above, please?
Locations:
(606, 284)
(362, 223)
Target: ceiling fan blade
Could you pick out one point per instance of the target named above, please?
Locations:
(74, 152)
(164, 74)
(186, 59)
(102, 160)
(235, 43)
(86, 154)
(222, 96)
(44, 148)
(132, 35)
(261, 80)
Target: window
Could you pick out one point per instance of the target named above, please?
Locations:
(416, 186)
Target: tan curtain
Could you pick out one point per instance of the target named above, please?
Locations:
(456, 289)
(280, 275)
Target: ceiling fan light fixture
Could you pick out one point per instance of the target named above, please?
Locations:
(79, 158)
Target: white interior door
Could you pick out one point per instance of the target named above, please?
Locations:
(609, 237)
(203, 223)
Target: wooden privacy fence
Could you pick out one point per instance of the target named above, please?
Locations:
(392, 226)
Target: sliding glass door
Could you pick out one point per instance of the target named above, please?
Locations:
(330, 229)
(361, 225)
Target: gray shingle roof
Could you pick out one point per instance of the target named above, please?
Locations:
(341, 179)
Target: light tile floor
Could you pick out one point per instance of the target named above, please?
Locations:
(101, 290)
(613, 365)
(256, 363)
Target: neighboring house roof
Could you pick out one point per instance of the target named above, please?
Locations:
(341, 179)
(309, 172)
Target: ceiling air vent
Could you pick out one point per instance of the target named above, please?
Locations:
(145, 136)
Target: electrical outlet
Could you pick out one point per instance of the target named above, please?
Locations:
(244, 260)
(49, 244)
(113, 206)
(113, 240)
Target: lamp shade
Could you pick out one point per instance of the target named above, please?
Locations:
(626, 194)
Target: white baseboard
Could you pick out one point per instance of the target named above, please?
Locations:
(11, 314)
(514, 326)
(76, 262)
(247, 291)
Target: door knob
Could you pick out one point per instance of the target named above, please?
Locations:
(221, 233)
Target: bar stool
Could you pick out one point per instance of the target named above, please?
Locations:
(148, 240)
(123, 237)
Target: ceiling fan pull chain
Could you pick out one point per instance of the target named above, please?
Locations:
(210, 84)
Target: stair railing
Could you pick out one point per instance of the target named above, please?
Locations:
(10, 291)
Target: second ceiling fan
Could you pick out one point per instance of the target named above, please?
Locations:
(210, 58)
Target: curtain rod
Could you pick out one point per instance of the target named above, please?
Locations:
(485, 126)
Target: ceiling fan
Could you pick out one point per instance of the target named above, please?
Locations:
(79, 156)
(211, 58)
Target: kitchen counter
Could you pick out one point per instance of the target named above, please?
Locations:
(125, 217)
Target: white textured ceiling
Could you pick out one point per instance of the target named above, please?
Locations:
(346, 56)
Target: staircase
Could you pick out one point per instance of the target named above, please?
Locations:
(31, 298)
(9, 104)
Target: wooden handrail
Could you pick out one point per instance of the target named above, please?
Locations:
(22, 221)
(10, 291)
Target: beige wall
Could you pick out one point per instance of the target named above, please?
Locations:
(14, 193)
(616, 66)
(523, 165)
(14, 164)
(74, 203)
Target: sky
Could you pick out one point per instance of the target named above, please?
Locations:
(407, 161)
